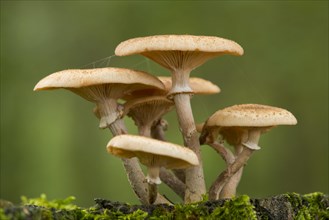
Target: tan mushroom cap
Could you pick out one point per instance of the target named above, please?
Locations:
(151, 152)
(251, 115)
(209, 44)
(77, 78)
(199, 127)
(179, 53)
(151, 101)
(198, 85)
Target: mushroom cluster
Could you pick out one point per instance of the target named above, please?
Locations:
(120, 92)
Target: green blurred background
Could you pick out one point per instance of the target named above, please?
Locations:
(50, 141)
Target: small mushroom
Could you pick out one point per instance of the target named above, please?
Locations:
(147, 111)
(181, 54)
(241, 126)
(153, 154)
(104, 86)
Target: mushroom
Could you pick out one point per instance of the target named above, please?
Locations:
(146, 111)
(241, 126)
(181, 54)
(153, 154)
(104, 86)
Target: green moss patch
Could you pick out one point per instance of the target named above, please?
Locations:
(309, 206)
(287, 206)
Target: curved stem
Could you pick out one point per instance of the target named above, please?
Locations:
(229, 190)
(249, 147)
(173, 182)
(225, 153)
(232, 169)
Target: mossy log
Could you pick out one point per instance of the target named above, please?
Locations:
(286, 206)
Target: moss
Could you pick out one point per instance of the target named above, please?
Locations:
(56, 204)
(237, 208)
(2, 215)
(287, 206)
(107, 214)
(309, 206)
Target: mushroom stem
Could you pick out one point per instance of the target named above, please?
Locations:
(153, 192)
(225, 153)
(229, 190)
(195, 184)
(180, 83)
(173, 182)
(253, 138)
(248, 148)
(158, 130)
(180, 174)
(232, 169)
(134, 172)
(153, 180)
(108, 112)
(144, 130)
(118, 127)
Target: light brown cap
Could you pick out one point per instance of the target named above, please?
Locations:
(77, 78)
(208, 44)
(151, 152)
(149, 103)
(198, 85)
(199, 127)
(251, 115)
(179, 53)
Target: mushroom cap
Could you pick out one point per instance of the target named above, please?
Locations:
(151, 152)
(77, 78)
(199, 127)
(152, 101)
(179, 53)
(251, 115)
(198, 85)
(209, 44)
(147, 110)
